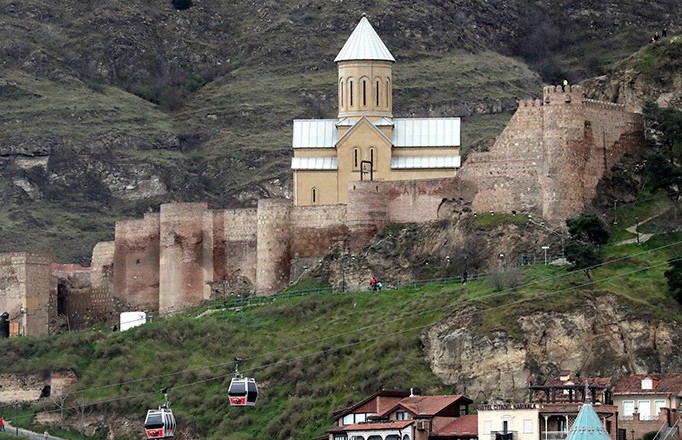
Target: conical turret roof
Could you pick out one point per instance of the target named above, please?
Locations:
(364, 44)
(588, 426)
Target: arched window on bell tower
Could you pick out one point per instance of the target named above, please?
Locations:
(364, 93)
(341, 93)
(376, 92)
(350, 92)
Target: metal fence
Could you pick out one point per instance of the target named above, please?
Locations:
(236, 303)
(25, 433)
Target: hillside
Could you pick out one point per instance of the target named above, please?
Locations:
(111, 108)
(317, 353)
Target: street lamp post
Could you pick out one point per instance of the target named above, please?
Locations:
(545, 249)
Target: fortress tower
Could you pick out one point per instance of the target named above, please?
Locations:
(366, 142)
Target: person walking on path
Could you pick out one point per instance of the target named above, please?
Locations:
(2, 425)
(46, 435)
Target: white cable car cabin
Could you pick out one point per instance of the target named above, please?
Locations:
(160, 423)
(243, 391)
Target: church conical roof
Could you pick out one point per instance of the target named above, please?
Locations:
(588, 426)
(364, 44)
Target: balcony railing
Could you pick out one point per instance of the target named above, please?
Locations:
(554, 435)
(502, 435)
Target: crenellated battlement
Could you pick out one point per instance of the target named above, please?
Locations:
(530, 103)
(603, 105)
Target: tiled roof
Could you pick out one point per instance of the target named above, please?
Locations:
(385, 393)
(364, 44)
(376, 426)
(662, 384)
(588, 426)
(466, 425)
(428, 405)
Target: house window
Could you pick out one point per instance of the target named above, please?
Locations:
(340, 437)
(401, 415)
(462, 410)
(505, 426)
(658, 404)
(359, 418)
(392, 437)
(357, 437)
(647, 383)
(374, 437)
(487, 427)
(628, 408)
(406, 437)
(527, 426)
(348, 419)
(314, 195)
(644, 409)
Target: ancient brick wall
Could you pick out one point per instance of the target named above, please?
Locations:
(26, 282)
(102, 266)
(15, 388)
(367, 211)
(550, 157)
(273, 243)
(507, 177)
(181, 264)
(136, 264)
(237, 253)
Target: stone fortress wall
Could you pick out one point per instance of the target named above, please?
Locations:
(547, 161)
(552, 153)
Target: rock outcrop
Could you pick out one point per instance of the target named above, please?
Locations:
(602, 338)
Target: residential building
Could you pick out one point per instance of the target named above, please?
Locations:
(411, 417)
(365, 141)
(537, 421)
(649, 403)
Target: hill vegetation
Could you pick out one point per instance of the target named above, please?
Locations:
(317, 353)
(111, 108)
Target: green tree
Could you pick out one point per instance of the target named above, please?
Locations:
(674, 277)
(587, 235)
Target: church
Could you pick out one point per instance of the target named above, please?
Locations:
(365, 141)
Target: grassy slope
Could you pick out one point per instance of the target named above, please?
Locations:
(313, 355)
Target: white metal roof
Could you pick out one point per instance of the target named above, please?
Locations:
(383, 122)
(364, 44)
(315, 133)
(314, 163)
(426, 132)
(402, 163)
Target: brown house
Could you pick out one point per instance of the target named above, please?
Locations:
(408, 418)
(649, 403)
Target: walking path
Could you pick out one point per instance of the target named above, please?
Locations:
(9, 429)
(633, 229)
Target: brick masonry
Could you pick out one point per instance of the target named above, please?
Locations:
(547, 161)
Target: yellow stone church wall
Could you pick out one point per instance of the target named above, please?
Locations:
(351, 76)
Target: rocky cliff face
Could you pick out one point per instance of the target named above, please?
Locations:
(654, 73)
(601, 337)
